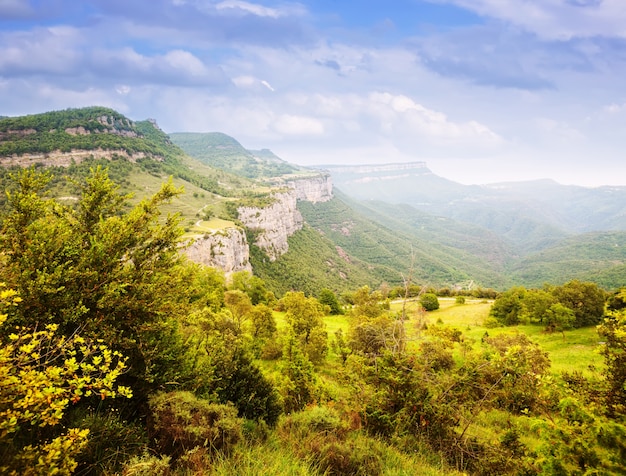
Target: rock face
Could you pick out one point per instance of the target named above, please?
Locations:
(274, 224)
(225, 249)
(65, 159)
(313, 189)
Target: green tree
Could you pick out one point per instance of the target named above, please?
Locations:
(305, 316)
(298, 384)
(586, 299)
(329, 298)
(239, 305)
(536, 303)
(429, 301)
(262, 321)
(507, 308)
(113, 273)
(253, 286)
(559, 318)
(613, 331)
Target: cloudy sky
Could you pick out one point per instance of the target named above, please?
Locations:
(482, 90)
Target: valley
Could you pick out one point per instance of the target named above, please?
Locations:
(175, 304)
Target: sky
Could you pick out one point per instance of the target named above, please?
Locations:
(483, 91)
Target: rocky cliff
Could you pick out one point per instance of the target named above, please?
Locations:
(313, 189)
(273, 224)
(224, 249)
(276, 223)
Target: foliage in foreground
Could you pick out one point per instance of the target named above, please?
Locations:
(105, 285)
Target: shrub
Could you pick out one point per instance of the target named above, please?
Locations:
(181, 422)
(148, 465)
(429, 301)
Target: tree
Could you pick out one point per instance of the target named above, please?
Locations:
(305, 317)
(262, 321)
(536, 303)
(329, 298)
(585, 299)
(559, 318)
(429, 301)
(507, 308)
(114, 273)
(613, 330)
(253, 286)
(239, 305)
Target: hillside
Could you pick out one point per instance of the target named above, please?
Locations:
(223, 152)
(390, 216)
(597, 256)
(531, 215)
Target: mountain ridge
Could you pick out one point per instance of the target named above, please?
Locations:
(495, 235)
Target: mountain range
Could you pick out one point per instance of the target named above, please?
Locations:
(337, 226)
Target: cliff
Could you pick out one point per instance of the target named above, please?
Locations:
(313, 189)
(224, 249)
(274, 224)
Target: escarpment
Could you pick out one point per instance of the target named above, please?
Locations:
(225, 249)
(274, 224)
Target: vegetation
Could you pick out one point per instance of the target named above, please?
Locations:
(119, 356)
(223, 152)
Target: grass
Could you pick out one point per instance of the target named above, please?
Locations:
(576, 350)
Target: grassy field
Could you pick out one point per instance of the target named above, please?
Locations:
(576, 350)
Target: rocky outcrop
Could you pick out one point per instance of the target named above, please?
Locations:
(273, 224)
(65, 159)
(225, 249)
(313, 189)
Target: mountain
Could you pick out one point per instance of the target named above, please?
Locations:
(251, 210)
(223, 152)
(531, 215)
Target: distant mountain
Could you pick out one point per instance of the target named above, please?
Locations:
(531, 215)
(223, 152)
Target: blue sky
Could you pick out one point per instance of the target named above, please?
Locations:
(482, 90)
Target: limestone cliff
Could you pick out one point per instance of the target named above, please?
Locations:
(313, 189)
(224, 249)
(274, 224)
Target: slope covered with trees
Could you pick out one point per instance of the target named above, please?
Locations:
(119, 356)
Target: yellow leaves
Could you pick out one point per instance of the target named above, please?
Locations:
(41, 374)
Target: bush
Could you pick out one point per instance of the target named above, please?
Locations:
(320, 436)
(112, 441)
(429, 301)
(181, 422)
(148, 465)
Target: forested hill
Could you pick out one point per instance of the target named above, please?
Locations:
(82, 129)
(224, 152)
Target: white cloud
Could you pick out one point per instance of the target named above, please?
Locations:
(41, 50)
(555, 19)
(615, 108)
(247, 7)
(267, 85)
(174, 67)
(289, 124)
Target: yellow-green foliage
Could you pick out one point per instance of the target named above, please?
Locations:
(41, 375)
